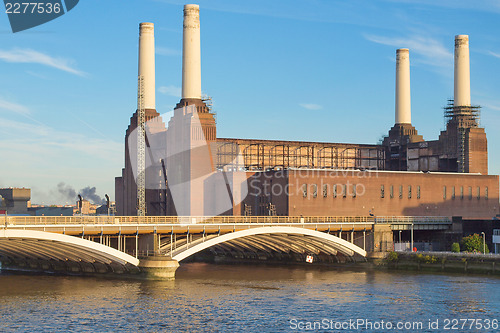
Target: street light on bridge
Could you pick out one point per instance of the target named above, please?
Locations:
(484, 242)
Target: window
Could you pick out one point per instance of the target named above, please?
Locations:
(400, 191)
(314, 190)
(453, 192)
(354, 191)
(382, 191)
(304, 191)
(392, 191)
(486, 193)
(478, 193)
(334, 191)
(444, 192)
(461, 192)
(344, 191)
(409, 191)
(325, 190)
(418, 192)
(470, 192)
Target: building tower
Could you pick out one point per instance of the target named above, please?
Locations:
(463, 143)
(402, 133)
(191, 134)
(126, 195)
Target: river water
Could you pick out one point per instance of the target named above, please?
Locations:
(234, 298)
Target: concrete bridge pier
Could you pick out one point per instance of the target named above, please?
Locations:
(158, 268)
(382, 241)
(147, 245)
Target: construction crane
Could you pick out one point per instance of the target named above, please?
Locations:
(141, 149)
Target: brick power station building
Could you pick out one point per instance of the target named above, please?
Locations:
(404, 175)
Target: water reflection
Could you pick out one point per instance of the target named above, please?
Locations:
(207, 298)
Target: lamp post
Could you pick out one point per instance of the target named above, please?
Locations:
(411, 237)
(484, 242)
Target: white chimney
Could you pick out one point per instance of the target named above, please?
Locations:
(462, 71)
(147, 63)
(403, 100)
(191, 53)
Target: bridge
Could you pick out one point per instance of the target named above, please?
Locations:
(131, 244)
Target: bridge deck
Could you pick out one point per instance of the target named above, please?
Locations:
(132, 229)
(131, 225)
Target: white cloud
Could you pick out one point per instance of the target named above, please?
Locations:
(13, 107)
(165, 51)
(484, 5)
(430, 51)
(491, 106)
(496, 55)
(33, 140)
(35, 57)
(16, 127)
(311, 106)
(170, 90)
(35, 74)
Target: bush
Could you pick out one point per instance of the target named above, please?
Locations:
(474, 243)
(431, 259)
(426, 259)
(455, 247)
(392, 257)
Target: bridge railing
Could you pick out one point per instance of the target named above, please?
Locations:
(413, 220)
(65, 220)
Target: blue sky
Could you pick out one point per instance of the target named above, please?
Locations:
(314, 70)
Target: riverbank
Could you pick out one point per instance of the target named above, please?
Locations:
(442, 262)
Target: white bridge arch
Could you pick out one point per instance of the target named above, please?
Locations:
(273, 238)
(42, 245)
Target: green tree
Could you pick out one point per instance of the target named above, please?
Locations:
(455, 247)
(473, 243)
